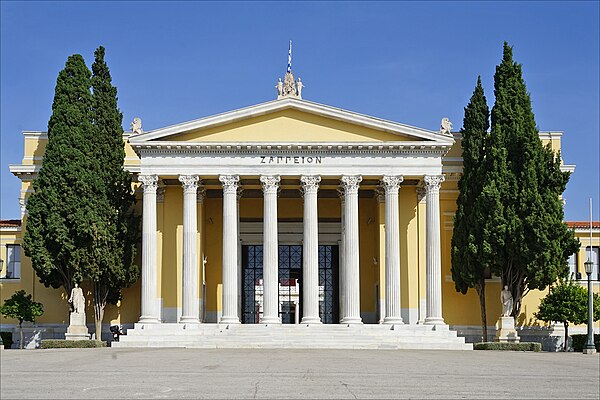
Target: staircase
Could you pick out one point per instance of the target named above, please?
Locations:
(211, 336)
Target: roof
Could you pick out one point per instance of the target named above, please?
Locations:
(583, 224)
(10, 223)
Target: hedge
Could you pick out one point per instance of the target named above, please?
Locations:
(579, 342)
(71, 344)
(523, 346)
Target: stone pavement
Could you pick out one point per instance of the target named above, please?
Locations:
(295, 374)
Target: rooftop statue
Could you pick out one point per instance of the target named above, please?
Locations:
(136, 126)
(446, 126)
(299, 85)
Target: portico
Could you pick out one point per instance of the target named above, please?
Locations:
(311, 171)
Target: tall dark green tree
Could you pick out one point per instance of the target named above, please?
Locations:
(525, 182)
(471, 251)
(59, 232)
(117, 231)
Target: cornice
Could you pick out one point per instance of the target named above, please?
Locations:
(253, 148)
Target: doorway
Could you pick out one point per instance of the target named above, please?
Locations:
(290, 283)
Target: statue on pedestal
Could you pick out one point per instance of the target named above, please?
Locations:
(77, 329)
(505, 327)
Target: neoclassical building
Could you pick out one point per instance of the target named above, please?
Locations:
(288, 212)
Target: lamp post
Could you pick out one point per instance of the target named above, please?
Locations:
(590, 348)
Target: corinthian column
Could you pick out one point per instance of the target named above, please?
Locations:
(230, 228)
(392, 250)
(270, 184)
(342, 251)
(189, 285)
(310, 256)
(432, 246)
(150, 312)
(351, 248)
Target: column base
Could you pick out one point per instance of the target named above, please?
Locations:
(351, 320)
(229, 320)
(189, 320)
(434, 321)
(589, 351)
(148, 320)
(393, 320)
(270, 320)
(311, 320)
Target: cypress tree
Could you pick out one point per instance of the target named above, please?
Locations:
(524, 182)
(470, 252)
(59, 232)
(118, 230)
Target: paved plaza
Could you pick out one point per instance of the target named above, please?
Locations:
(295, 374)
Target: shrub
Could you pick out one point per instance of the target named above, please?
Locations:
(579, 342)
(523, 346)
(6, 339)
(71, 344)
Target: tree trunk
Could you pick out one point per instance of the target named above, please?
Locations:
(481, 292)
(100, 295)
(21, 334)
(566, 346)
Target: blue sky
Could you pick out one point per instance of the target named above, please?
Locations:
(411, 62)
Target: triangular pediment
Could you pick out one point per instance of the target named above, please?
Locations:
(291, 121)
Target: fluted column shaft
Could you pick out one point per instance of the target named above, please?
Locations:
(310, 256)
(270, 186)
(190, 306)
(230, 228)
(150, 311)
(351, 248)
(433, 252)
(392, 250)
(342, 251)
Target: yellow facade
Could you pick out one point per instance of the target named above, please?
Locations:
(288, 126)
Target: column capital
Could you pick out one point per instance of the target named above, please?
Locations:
(270, 183)
(150, 182)
(341, 193)
(433, 182)
(310, 183)
(190, 183)
(351, 183)
(421, 194)
(23, 206)
(200, 194)
(160, 191)
(391, 183)
(230, 183)
(379, 194)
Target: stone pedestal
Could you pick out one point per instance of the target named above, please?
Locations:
(77, 329)
(505, 330)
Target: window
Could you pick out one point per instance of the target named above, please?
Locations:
(573, 271)
(594, 259)
(13, 262)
